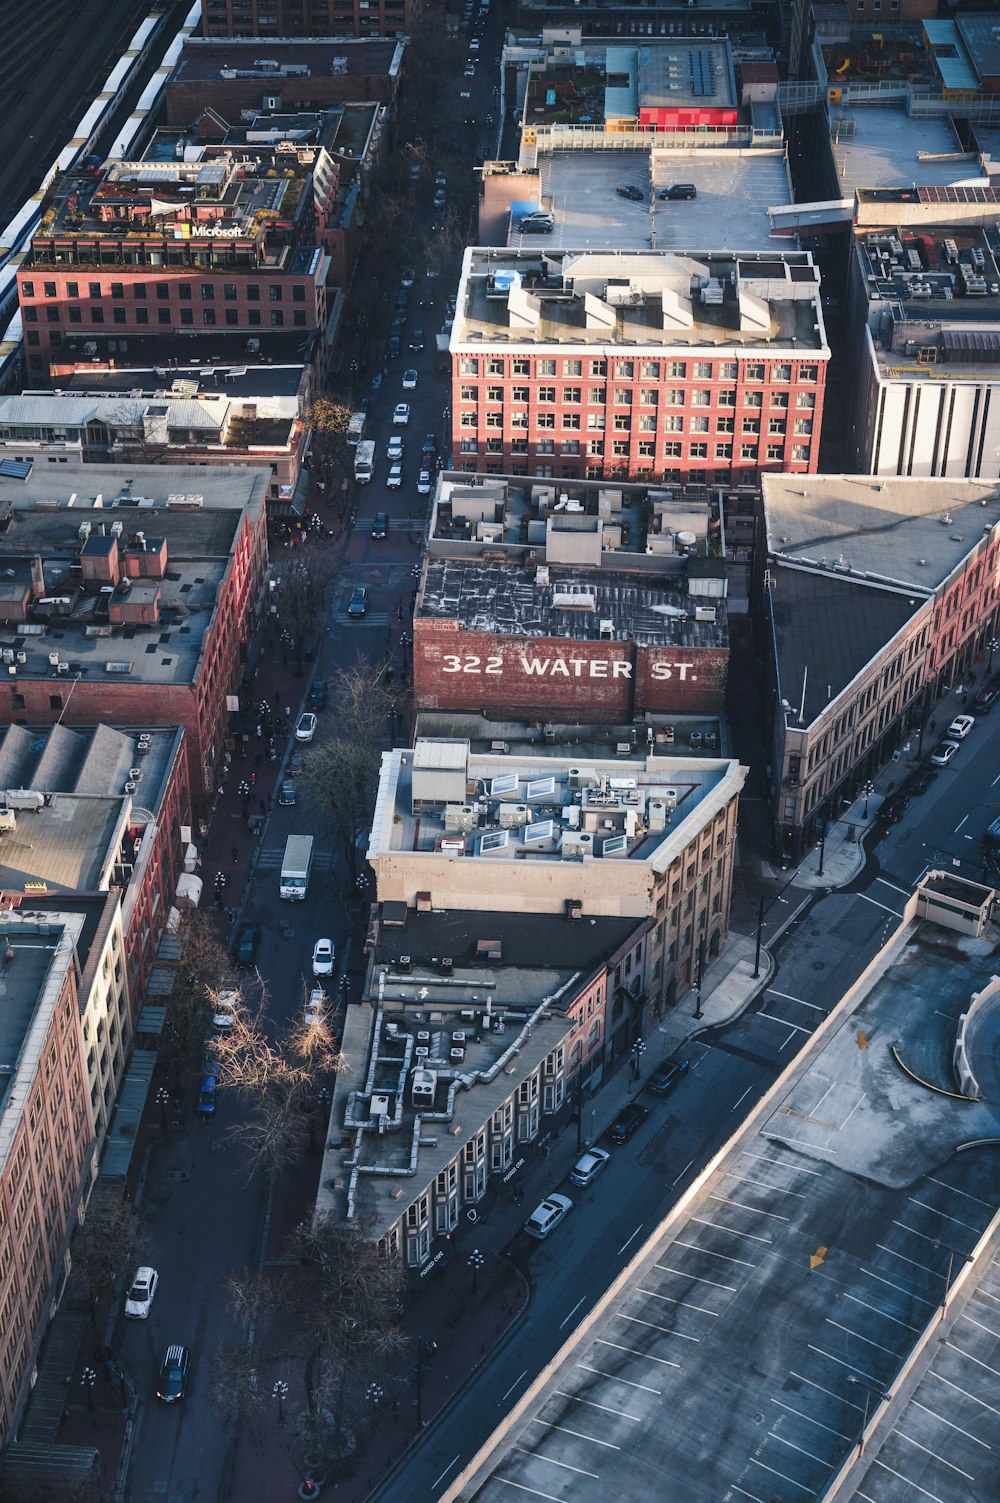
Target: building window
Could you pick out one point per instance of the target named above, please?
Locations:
(298, 293)
(805, 400)
(229, 291)
(545, 446)
(748, 451)
(699, 451)
(649, 370)
(142, 315)
(775, 451)
(468, 393)
(677, 369)
(597, 394)
(674, 396)
(572, 368)
(779, 399)
(520, 367)
(572, 394)
(723, 451)
(647, 397)
(519, 394)
(572, 420)
(623, 397)
(803, 426)
(800, 453)
(647, 422)
(595, 422)
(808, 372)
(469, 365)
(27, 289)
(724, 425)
(72, 289)
(97, 315)
(494, 366)
(702, 370)
(208, 316)
(163, 315)
(699, 425)
(725, 399)
(118, 315)
(494, 393)
(118, 290)
(571, 446)
(619, 447)
(545, 368)
(672, 451)
(624, 369)
(468, 420)
(208, 292)
(163, 292)
(673, 424)
(253, 292)
(232, 316)
(277, 318)
(750, 425)
(647, 449)
(253, 316)
(545, 420)
(494, 420)
(776, 425)
(598, 367)
(781, 372)
(275, 292)
(184, 292)
(187, 315)
(546, 394)
(701, 397)
(623, 422)
(754, 372)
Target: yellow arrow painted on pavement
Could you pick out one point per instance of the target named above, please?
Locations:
(817, 1258)
(862, 1039)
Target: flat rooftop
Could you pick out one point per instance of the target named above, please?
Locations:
(182, 414)
(584, 741)
(307, 57)
(735, 190)
(88, 761)
(271, 365)
(575, 605)
(24, 991)
(499, 807)
(66, 846)
(646, 299)
(884, 147)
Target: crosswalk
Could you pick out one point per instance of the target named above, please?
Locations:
(371, 618)
(271, 857)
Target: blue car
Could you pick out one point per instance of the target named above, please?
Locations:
(206, 1097)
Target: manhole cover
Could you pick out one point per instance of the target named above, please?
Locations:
(178, 1176)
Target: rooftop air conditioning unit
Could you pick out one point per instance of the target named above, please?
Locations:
(582, 777)
(129, 787)
(670, 797)
(63, 669)
(135, 772)
(53, 660)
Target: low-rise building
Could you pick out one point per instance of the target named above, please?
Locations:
(128, 596)
(655, 366)
(251, 22)
(877, 596)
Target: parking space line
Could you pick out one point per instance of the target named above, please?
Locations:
(521, 1488)
(841, 1398)
(772, 992)
(665, 1268)
(810, 1421)
(883, 906)
(930, 1303)
(672, 1300)
(742, 1490)
(893, 1473)
(742, 1098)
(866, 1377)
(935, 1210)
(631, 1239)
(732, 1232)
(785, 1042)
(951, 1424)
(858, 1337)
(970, 1358)
(963, 1391)
(963, 1193)
(711, 1253)
(541, 1456)
(797, 1143)
(965, 1316)
(798, 1168)
(651, 1325)
(796, 1027)
(615, 1379)
(860, 1102)
(578, 1434)
(969, 1476)
(775, 1473)
(742, 1206)
(606, 1408)
(902, 1256)
(744, 1179)
(883, 1313)
(639, 1356)
(773, 1435)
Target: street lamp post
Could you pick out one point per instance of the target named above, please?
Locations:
(280, 1392)
(701, 977)
(867, 790)
(638, 1049)
(476, 1261)
(822, 848)
(869, 1391)
(162, 1097)
(87, 1380)
(992, 644)
(760, 931)
(953, 1253)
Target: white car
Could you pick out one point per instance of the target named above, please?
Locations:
(547, 1216)
(587, 1168)
(470, 70)
(401, 413)
(424, 483)
(315, 1010)
(439, 195)
(140, 1295)
(960, 727)
(394, 448)
(407, 279)
(943, 753)
(394, 479)
(409, 380)
(224, 1012)
(323, 957)
(305, 728)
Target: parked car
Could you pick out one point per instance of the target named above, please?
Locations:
(627, 1122)
(394, 479)
(587, 1168)
(171, 1385)
(424, 483)
(315, 1008)
(141, 1294)
(249, 936)
(402, 299)
(669, 1073)
(323, 957)
(225, 1010)
(984, 701)
(960, 727)
(679, 190)
(206, 1096)
(394, 448)
(317, 695)
(392, 347)
(634, 195)
(409, 379)
(417, 340)
(286, 794)
(439, 196)
(920, 781)
(428, 448)
(401, 413)
(380, 526)
(305, 726)
(358, 603)
(470, 70)
(547, 1216)
(409, 275)
(537, 224)
(440, 181)
(893, 808)
(295, 765)
(943, 753)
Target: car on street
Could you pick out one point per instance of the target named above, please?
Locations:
(943, 753)
(358, 603)
(474, 45)
(470, 70)
(206, 1096)
(295, 764)
(141, 1294)
(402, 300)
(409, 275)
(427, 297)
(305, 726)
(171, 1385)
(315, 1008)
(440, 181)
(394, 479)
(380, 526)
(892, 809)
(424, 483)
(392, 347)
(431, 271)
(376, 381)
(920, 781)
(409, 380)
(286, 794)
(323, 957)
(547, 1216)
(960, 727)
(984, 701)
(634, 195)
(401, 413)
(667, 1075)
(417, 341)
(428, 448)
(439, 196)
(627, 1122)
(249, 936)
(394, 448)
(225, 1010)
(317, 695)
(588, 1167)
(679, 190)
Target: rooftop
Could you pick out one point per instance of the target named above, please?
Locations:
(40, 953)
(297, 58)
(194, 511)
(599, 81)
(654, 300)
(584, 742)
(179, 415)
(735, 190)
(440, 798)
(85, 762)
(884, 147)
(269, 366)
(571, 604)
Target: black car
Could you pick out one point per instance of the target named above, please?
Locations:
(921, 781)
(402, 298)
(628, 1121)
(286, 794)
(172, 1382)
(380, 526)
(635, 195)
(429, 447)
(358, 603)
(417, 340)
(666, 1077)
(317, 696)
(984, 701)
(893, 808)
(392, 348)
(246, 944)
(679, 190)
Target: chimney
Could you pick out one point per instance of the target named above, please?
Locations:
(37, 576)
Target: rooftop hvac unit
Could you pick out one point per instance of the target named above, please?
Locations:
(422, 1052)
(129, 786)
(513, 816)
(83, 531)
(8, 821)
(657, 813)
(135, 772)
(582, 777)
(53, 660)
(8, 654)
(669, 796)
(423, 1087)
(142, 750)
(63, 669)
(423, 1036)
(576, 844)
(704, 613)
(117, 528)
(22, 657)
(459, 818)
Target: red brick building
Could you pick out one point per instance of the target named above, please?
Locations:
(305, 18)
(230, 76)
(642, 365)
(135, 607)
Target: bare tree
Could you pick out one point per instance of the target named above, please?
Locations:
(328, 422)
(304, 584)
(434, 56)
(202, 965)
(445, 242)
(105, 1244)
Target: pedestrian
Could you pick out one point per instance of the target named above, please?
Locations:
(288, 712)
(253, 780)
(236, 855)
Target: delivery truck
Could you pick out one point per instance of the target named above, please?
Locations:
(296, 865)
(364, 461)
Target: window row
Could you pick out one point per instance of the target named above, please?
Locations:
(623, 396)
(624, 423)
(644, 449)
(644, 370)
(185, 290)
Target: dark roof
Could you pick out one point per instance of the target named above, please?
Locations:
(826, 629)
(526, 939)
(202, 58)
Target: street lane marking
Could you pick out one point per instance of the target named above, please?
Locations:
(970, 1358)
(579, 1434)
(763, 1184)
(810, 1421)
(606, 1408)
(541, 1456)
(731, 1231)
(742, 1098)
(772, 991)
(665, 1268)
(893, 1473)
(886, 883)
(615, 1379)
(963, 1391)
(513, 1385)
(879, 905)
(796, 1027)
(572, 1312)
(951, 1424)
(775, 1473)
(883, 1313)
(684, 1171)
(631, 1239)
(858, 1337)
(961, 822)
(652, 1326)
(963, 1193)
(639, 1356)
(446, 1470)
(711, 1253)
(966, 1224)
(742, 1206)
(672, 1299)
